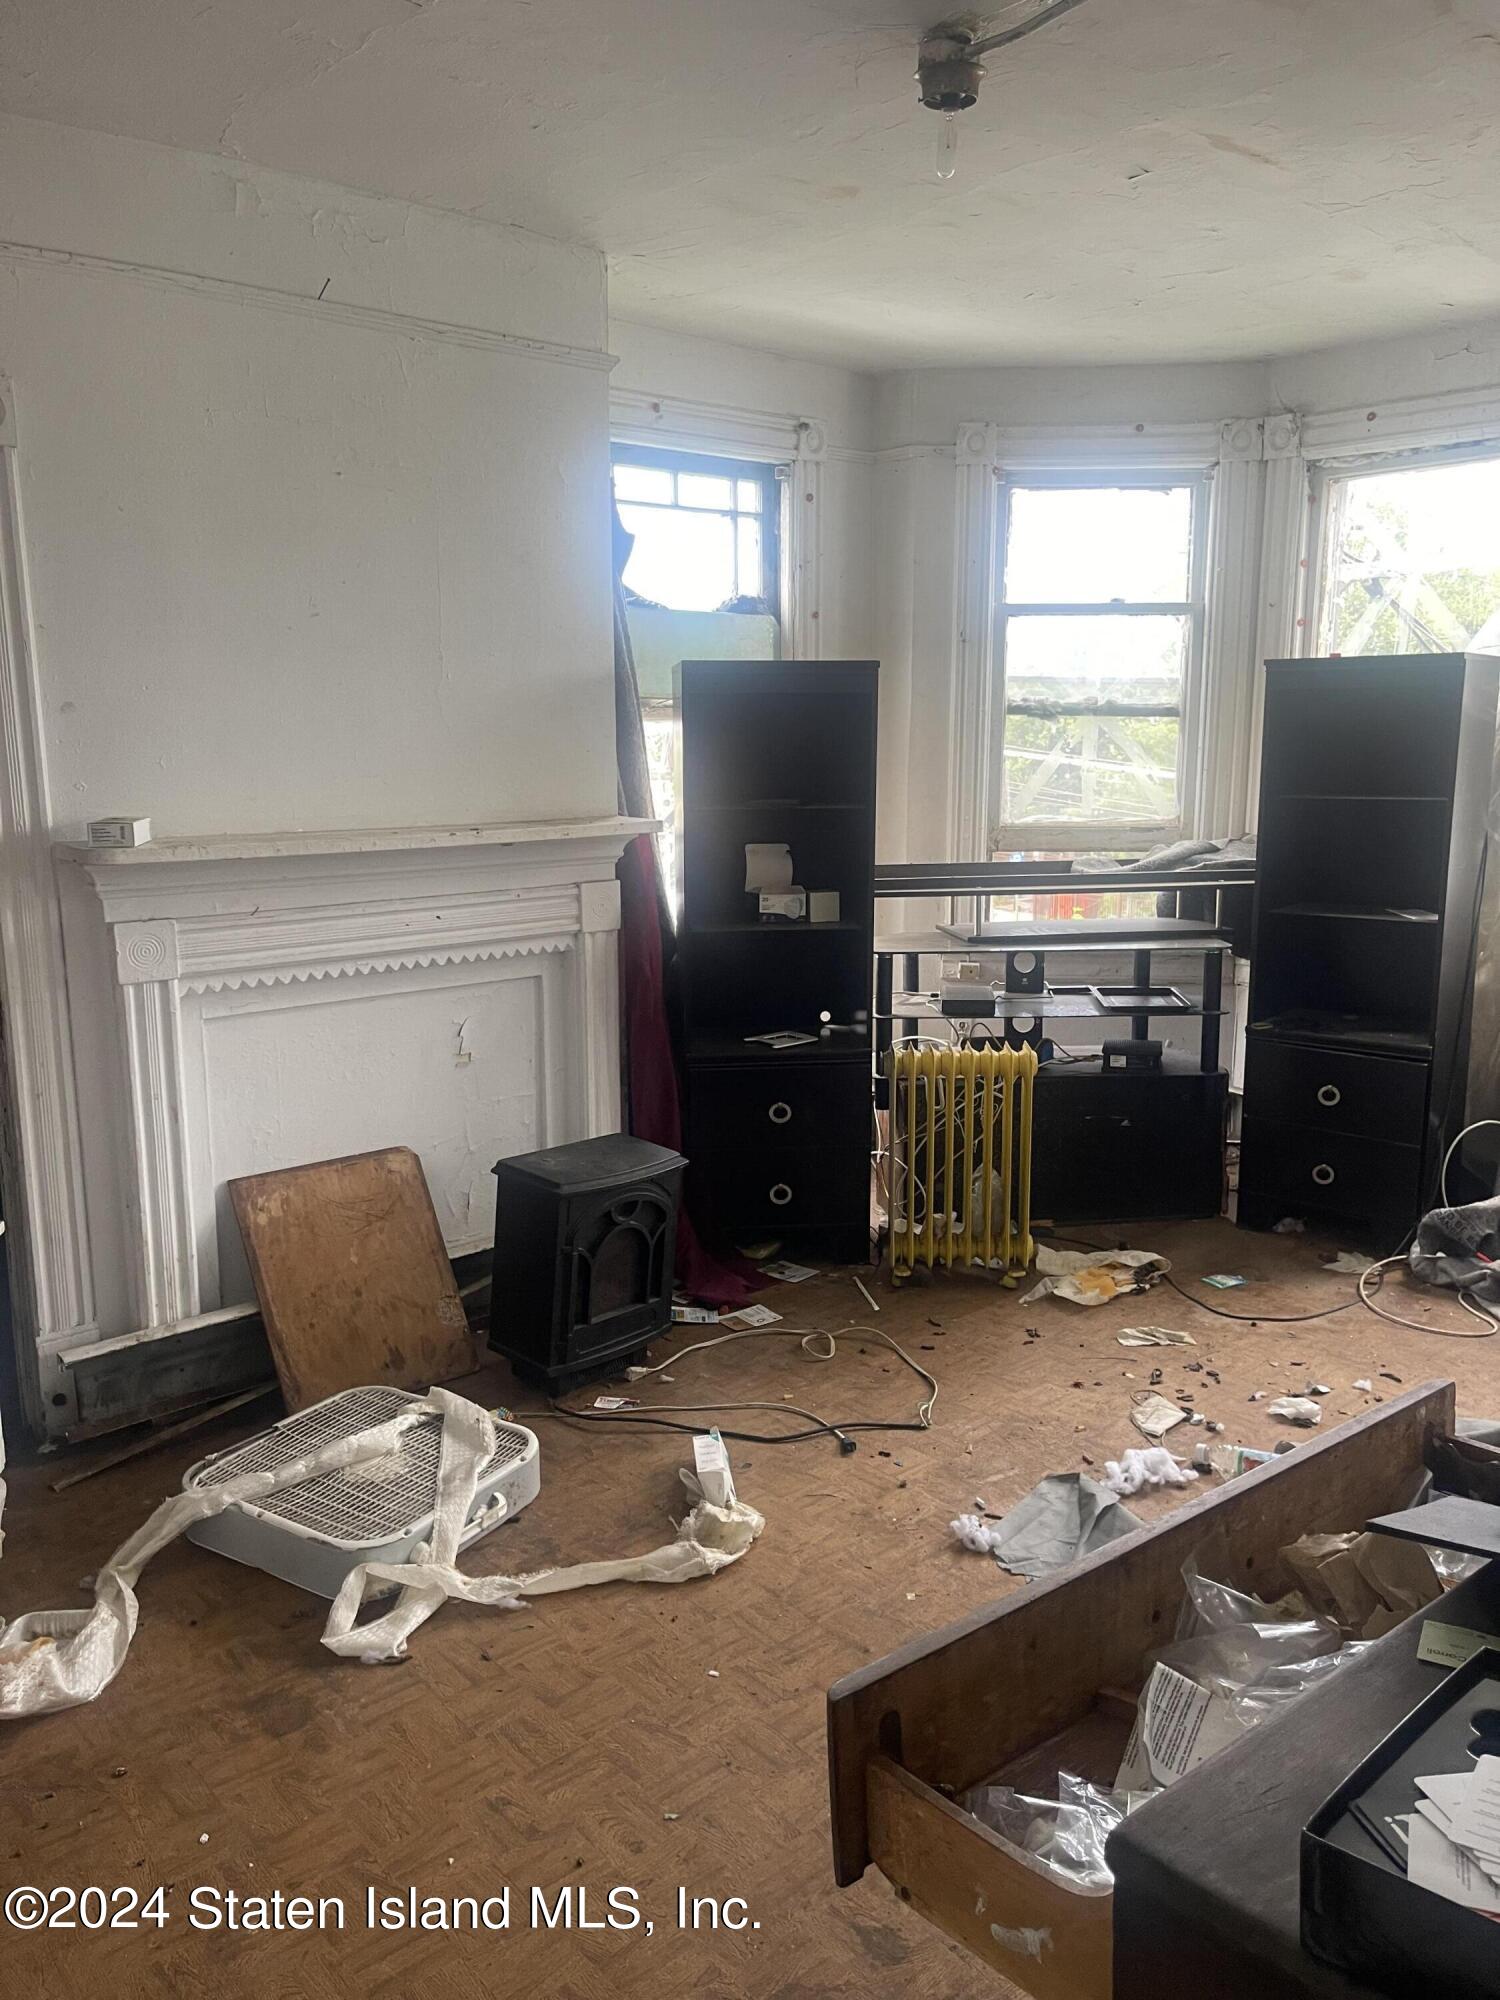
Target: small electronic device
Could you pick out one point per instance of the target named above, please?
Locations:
(125, 832)
(1131, 1055)
(1025, 972)
(966, 999)
(377, 1510)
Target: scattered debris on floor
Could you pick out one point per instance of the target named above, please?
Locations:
(1094, 1277)
(1223, 1281)
(1063, 1517)
(1229, 1460)
(1154, 1336)
(1152, 1415)
(1299, 1410)
(1152, 1468)
(1346, 1264)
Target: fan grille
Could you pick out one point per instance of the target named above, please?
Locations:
(375, 1501)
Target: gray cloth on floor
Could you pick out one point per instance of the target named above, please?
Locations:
(1063, 1517)
(1447, 1241)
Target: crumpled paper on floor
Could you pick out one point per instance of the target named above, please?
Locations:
(53, 1660)
(1063, 1517)
(1094, 1277)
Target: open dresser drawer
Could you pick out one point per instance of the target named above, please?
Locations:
(1044, 1680)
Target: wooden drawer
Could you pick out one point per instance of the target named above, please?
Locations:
(1290, 1170)
(1030, 1685)
(1377, 1097)
(799, 1103)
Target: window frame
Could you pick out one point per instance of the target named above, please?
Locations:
(1325, 477)
(768, 475)
(1085, 836)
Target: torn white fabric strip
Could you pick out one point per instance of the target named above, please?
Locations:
(52, 1660)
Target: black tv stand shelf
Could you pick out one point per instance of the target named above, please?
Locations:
(778, 1140)
(1375, 781)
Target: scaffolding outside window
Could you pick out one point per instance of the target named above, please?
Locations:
(1098, 640)
(1411, 554)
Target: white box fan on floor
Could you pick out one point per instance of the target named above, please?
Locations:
(377, 1510)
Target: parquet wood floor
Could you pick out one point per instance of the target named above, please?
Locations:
(553, 1746)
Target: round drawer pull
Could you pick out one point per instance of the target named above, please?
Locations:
(780, 1113)
(781, 1194)
(1330, 1095)
(1323, 1176)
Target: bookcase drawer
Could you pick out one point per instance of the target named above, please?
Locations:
(1377, 1097)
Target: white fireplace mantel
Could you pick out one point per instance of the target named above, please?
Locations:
(293, 996)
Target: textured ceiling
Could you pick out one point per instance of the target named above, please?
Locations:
(1145, 179)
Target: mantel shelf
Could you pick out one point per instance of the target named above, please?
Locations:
(355, 840)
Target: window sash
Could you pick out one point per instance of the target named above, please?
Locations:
(765, 476)
(1134, 830)
(1329, 481)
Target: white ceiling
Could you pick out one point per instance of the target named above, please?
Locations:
(1143, 180)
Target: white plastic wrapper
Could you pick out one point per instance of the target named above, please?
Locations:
(1066, 1834)
(59, 1659)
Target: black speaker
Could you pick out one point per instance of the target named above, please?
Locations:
(585, 1250)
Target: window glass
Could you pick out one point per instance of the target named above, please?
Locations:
(1093, 544)
(1414, 560)
(705, 530)
(1098, 626)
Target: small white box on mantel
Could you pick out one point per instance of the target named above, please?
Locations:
(119, 832)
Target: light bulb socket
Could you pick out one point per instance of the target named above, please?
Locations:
(952, 85)
(948, 76)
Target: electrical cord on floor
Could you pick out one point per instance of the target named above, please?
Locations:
(1491, 1324)
(1220, 1312)
(1363, 1298)
(659, 1415)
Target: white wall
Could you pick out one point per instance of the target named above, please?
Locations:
(1458, 358)
(291, 570)
(293, 565)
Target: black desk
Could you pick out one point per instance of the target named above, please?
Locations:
(1207, 1875)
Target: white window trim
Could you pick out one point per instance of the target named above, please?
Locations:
(678, 424)
(1075, 836)
(1220, 707)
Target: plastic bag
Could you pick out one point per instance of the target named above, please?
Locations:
(1251, 1657)
(1066, 1834)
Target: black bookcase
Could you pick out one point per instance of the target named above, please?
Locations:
(778, 1140)
(1375, 779)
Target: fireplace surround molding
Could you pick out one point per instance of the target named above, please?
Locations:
(484, 957)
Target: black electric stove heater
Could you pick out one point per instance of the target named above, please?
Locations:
(585, 1247)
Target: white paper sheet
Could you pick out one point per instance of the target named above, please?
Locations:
(768, 866)
(1476, 1822)
(1437, 1863)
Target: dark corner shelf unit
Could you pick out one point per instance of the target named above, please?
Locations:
(778, 1141)
(1375, 779)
